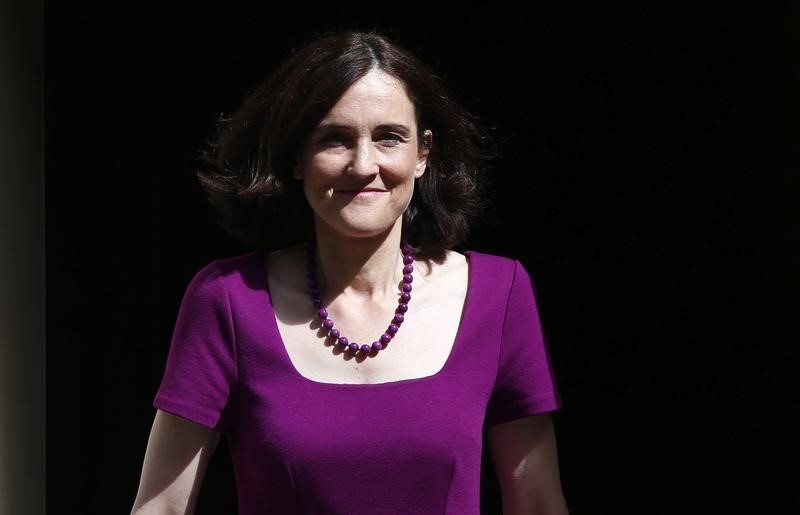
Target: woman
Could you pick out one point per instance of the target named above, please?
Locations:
(353, 372)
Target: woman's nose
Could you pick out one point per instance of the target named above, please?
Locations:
(364, 161)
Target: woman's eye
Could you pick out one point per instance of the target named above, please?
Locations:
(391, 138)
(333, 138)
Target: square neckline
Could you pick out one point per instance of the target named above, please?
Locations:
(468, 301)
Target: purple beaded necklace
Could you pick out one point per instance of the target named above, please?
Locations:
(394, 325)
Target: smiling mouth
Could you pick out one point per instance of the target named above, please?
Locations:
(362, 191)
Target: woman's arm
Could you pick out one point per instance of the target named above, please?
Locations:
(177, 454)
(526, 461)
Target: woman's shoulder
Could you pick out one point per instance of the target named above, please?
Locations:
(492, 263)
(230, 272)
(496, 272)
(480, 268)
(231, 264)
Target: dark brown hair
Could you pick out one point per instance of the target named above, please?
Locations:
(249, 180)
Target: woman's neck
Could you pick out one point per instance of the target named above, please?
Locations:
(366, 267)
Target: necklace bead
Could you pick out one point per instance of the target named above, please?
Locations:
(327, 323)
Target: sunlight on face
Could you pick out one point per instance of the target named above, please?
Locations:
(359, 164)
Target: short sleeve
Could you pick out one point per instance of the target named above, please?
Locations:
(201, 368)
(525, 384)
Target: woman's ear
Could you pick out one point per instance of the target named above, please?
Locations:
(297, 171)
(422, 154)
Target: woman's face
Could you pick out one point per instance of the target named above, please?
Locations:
(358, 166)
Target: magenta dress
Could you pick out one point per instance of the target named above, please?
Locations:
(303, 447)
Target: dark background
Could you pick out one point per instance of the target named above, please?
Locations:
(636, 183)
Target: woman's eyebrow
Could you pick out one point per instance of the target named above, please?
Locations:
(396, 127)
(324, 126)
(391, 126)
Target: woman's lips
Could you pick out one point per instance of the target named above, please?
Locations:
(365, 192)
